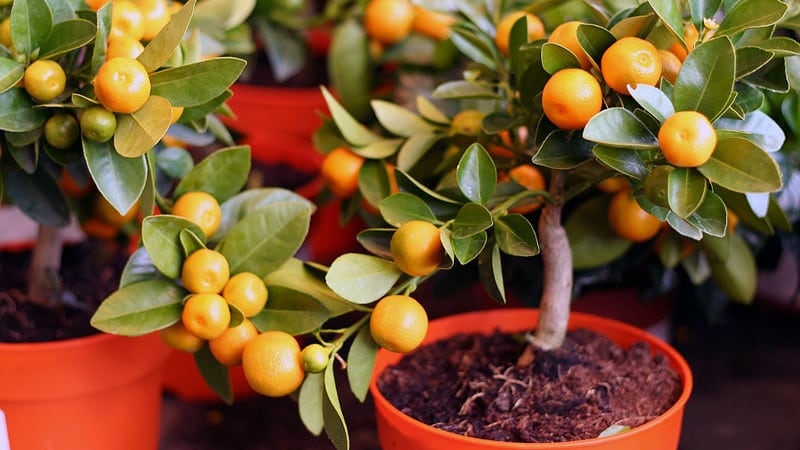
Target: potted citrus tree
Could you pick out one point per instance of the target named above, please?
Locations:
(88, 92)
(500, 161)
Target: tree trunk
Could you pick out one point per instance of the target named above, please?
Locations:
(43, 278)
(557, 277)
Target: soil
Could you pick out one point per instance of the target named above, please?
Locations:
(572, 393)
(90, 271)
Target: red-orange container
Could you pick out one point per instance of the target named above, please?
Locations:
(398, 431)
(183, 379)
(93, 393)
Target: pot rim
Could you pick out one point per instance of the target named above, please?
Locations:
(577, 320)
(61, 344)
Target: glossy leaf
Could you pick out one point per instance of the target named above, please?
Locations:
(31, 23)
(627, 161)
(594, 40)
(463, 90)
(560, 150)
(190, 242)
(402, 207)
(355, 133)
(197, 83)
(158, 51)
(759, 202)
(750, 59)
(490, 272)
(221, 174)
(683, 227)
(472, 219)
(686, 189)
(761, 129)
(515, 235)
(215, 374)
(476, 174)
(140, 131)
(400, 121)
(360, 278)
(653, 100)
(335, 426)
(140, 308)
(614, 429)
(705, 81)
(121, 180)
(414, 148)
(291, 311)
(740, 166)
(161, 237)
(430, 111)
(751, 14)
(556, 57)
(592, 241)
(103, 22)
(250, 200)
(736, 275)
(266, 238)
(138, 268)
(473, 45)
(711, 216)
(780, 46)
(297, 276)
(701, 9)
(66, 36)
(38, 196)
(619, 127)
(467, 249)
(17, 112)
(360, 361)
(309, 402)
(349, 67)
(670, 14)
(11, 72)
(772, 76)
(377, 241)
(380, 149)
(442, 206)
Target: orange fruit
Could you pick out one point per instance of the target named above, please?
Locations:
(566, 35)
(690, 36)
(177, 112)
(613, 184)
(468, 122)
(670, 65)
(531, 178)
(388, 21)
(126, 20)
(340, 169)
(629, 220)
(70, 186)
(630, 61)
(179, 338)
(155, 14)
(501, 37)
(5, 33)
(687, 139)
(206, 315)
(417, 248)
(205, 271)
(398, 323)
(122, 85)
(228, 347)
(44, 80)
(434, 24)
(247, 292)
(201, 208)
(124, 47)
(96, 4)
(571, 97)
(272, 364)
(106, 211)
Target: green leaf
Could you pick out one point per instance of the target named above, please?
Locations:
(121, 180)
(38, 196)
(670, 14)
(561, 151)
(402, 207)
(683, 227)
(463, 90)
(473, 44)
(736, 275)
(140, 308)
(741, 166)
(780, 46)
(160, 49)
(614, 429)
(750, 59)
(686, 189)
(377, 241)
(747, 14)
(705, 81)
(619, 127)
(17, 112)
(380, 149)
(761, 129)
(772, 76)
(469, 248)
(161, 238)
(176, 162)
(138, 268)
(442, 206)
(103, 21)
(360, 361)
(490, 272)
(67, 36)
(414, 148)
(299, 277)
(476, 174)
(197, 83)
(430, 111)
(400, 121)
(215, 374)
(349, 66)
(711, 216)
(355, 133)
(556, 57)
(515, 235)
(623, 160)
(360, 278)
(139, 132)
(31, 22)
(309, 403)
(190, 242)
(11, 72)
(335, 426)
(594, 40)
(266, 238)
(591, 239)
(221, 174)
(285, 50)
(653, 100)
(703, 8)
(472, 219)
(291, 311)
(238, 206)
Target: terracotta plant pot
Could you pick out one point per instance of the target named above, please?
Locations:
(93, 393)
(399, 431)
(183, 379)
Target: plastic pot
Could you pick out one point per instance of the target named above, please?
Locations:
(399, 431)
(93, 393)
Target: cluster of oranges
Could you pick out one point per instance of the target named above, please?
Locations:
(388, 22)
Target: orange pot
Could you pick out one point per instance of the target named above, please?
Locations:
(183, 379)
(399, 431)
(94, 393)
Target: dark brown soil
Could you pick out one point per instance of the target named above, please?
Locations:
(90, 271)
(470, 385)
